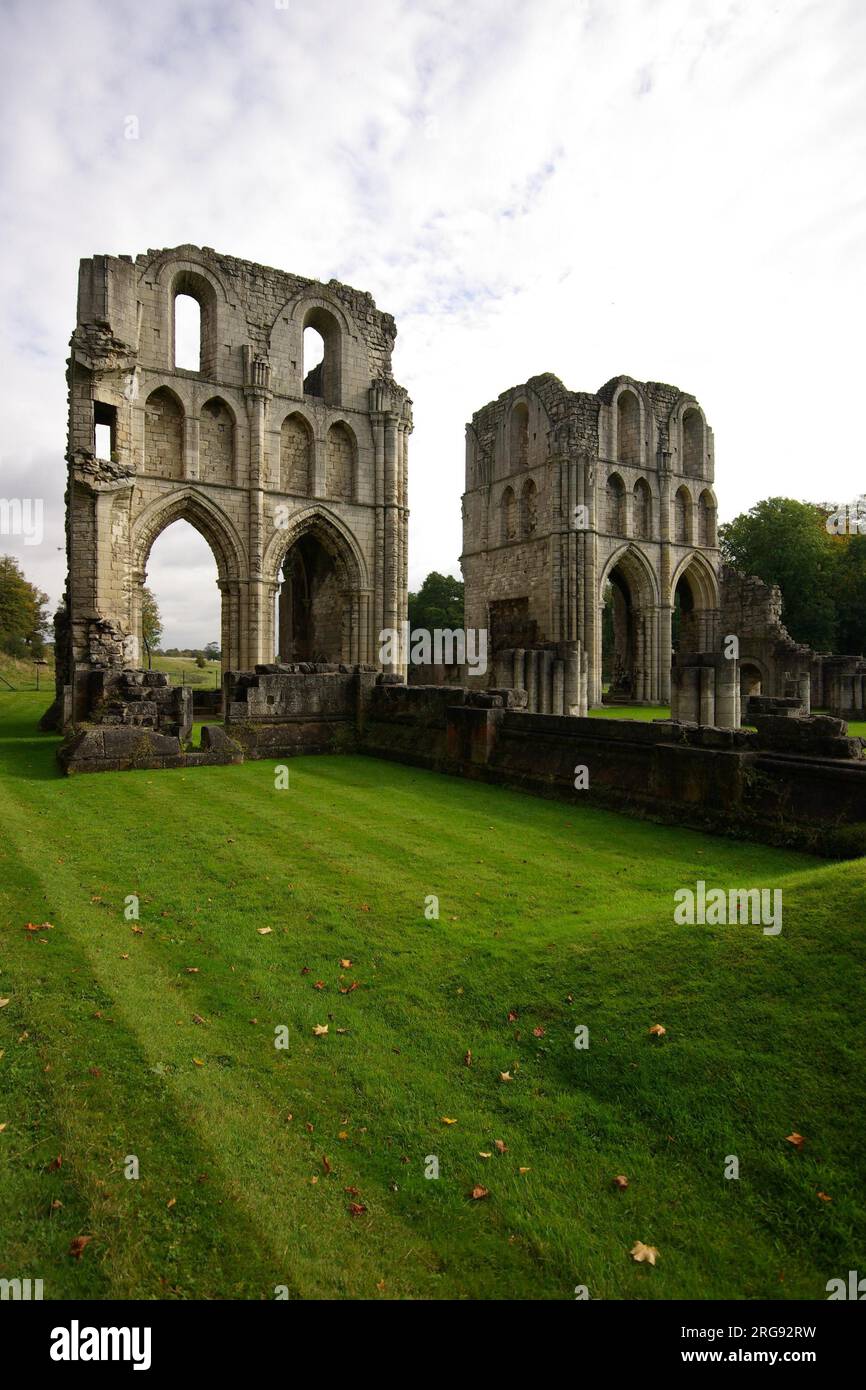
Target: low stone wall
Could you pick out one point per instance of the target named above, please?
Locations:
(791, 781)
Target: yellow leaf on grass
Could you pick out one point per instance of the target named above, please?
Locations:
(320, 1029)
(264, 931)
(446, 1120)
(796, 1139)
(658, 1030)
(198, 1061)
(484, 1155)
(643, 1254)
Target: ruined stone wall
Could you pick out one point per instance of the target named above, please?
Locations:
(211, 446)
(566, 489)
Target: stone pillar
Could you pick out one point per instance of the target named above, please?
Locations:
(190, 448)
(558, 695)
(728, 694)
(707, 695)
(571, 694)
(519, 669)
(545, 694)
(392, 560)
(532, 681)
(257, 391)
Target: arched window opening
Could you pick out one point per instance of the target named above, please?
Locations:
(615, 505)
(216, 443)
(163, 434)
(528, 508)
(322, 356)
(104, 429)
(750, 681)
(187, 332)
(682, 510)
(642, 509)
(180, 622)
(296, 456)
(628, 428)
(519, 436)
(311, 619)
(314, 362)
(340, 464)
(509, 514)
(706, 520)
(693, 444)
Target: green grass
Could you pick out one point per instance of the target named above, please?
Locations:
(645, 712)
(556, 913)
(183, 671)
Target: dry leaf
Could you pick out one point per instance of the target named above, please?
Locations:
(620, 1181)
(352, 1191)
(523, 1170)
(192, 970)
(822, 1196)
(172, 1202)
(326, 1165)
(796, 1139)
(538, 1032)
(658, 1030)
(513, 1017)
(485, 1155)
(264, 931)
(308, 1127)
(3, 1126)
(3, 1003)
(198, 1061)
(320, 1029)
(478, 1192)
(320, 984)
(467, 1058)
(343, 1134)
(197, 1018)
(446, 1120)
(643, 1254)
(505, 1076)
(500, 1146)
(345, 965)
(357, 1208)
(78, 1244)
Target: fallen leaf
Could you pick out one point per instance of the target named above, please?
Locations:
(643, 1254)
(538, 1032)
(620, 1181)
(446, 1120)
(320, 984)
(505, 1076)
(796, 1139)
(500, 1145)
(138, 931)
(78, 1244)
(326, 1165)
(345, 965)
(198, 1061)
(523, 1170)
(467, 1059)
(192, 970)
(197, 1018)
(172, 1202)
(357, 1208)
(352, 1191)
(658, 1030)
(3, 1126)
(513, 1017)
(95, 1071)
(264, 931)
(478, 1192)
(481, 1154)
(55, 1163)
(343, 1134)
(320, 1029)
(308, 1127)
(3, 1003)
(822, 1196)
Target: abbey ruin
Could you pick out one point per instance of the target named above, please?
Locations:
(590, 556)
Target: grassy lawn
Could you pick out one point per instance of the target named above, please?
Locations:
(251, 1157)
(183, 671)
(630, 712)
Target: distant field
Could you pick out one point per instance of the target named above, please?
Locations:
(183, 671)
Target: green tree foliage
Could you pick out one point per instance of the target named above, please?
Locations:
(850, 589)
(438, 603)
(787, 543)
(23, 616)
(151, 624)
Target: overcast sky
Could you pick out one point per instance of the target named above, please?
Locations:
(668, 188)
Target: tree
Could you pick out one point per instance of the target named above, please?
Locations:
(23, 616)
(851, 595)
(151, 624)
(212, 651)
(200, 660)
(438, 603)
(787, 543)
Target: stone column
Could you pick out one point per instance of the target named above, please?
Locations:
(728, 694)
(532, 681)
(545, 694)
(190, 448)
(558, 697)
(257, 391)
(519, 669)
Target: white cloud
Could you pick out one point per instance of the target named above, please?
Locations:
(668, 188)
